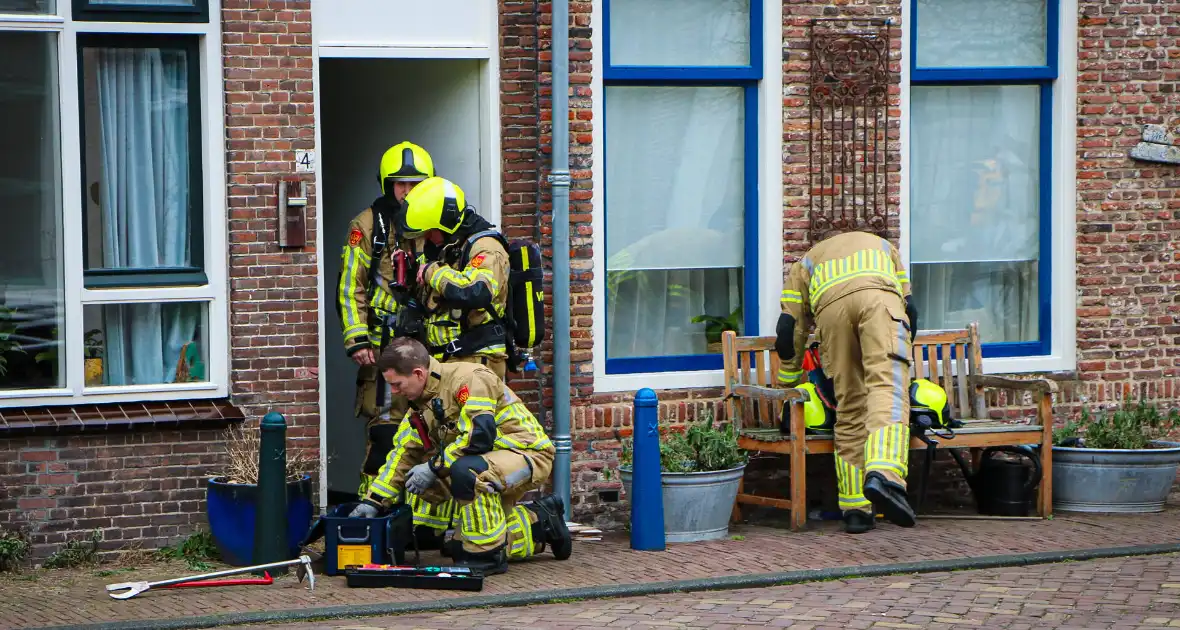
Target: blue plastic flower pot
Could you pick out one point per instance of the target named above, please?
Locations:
(230, 508)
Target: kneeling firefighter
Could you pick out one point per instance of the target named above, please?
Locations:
(468, 437)
(480, 298)
(854, 288)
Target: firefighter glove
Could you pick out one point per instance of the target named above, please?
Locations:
(420, 478)
(365, 509)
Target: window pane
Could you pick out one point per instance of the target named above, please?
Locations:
(146, 344)
(976, 33)
(138, 194)
(975, 221)
(28, 6)
(31, 299)
(680, 32)
(153, 3)
(675, 213)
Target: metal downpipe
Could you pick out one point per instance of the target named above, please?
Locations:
(559, 180)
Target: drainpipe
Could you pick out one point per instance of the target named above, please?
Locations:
(559, 180)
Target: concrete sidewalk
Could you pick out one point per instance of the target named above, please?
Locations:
(58, 598)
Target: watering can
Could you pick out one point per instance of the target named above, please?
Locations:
(1003, 487)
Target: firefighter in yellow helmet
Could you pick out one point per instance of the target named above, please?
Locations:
(854, 288)
(469, 437)
(368, 300)
(463, 276)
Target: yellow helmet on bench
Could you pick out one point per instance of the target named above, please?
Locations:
(817, 417)
(929, 406)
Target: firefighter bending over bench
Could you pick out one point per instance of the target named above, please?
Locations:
(854, 287)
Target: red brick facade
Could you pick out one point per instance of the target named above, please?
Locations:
(1128, 253)
(1128, 212)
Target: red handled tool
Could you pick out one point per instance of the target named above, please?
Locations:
(242, 582)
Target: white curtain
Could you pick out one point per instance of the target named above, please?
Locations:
(680, 32)
(978, 33)
(675, 209)
(975, 221)
(157, 3)
(145, 192)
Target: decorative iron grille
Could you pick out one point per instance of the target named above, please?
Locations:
(849, 139)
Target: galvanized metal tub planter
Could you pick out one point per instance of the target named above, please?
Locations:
(1114, 480)
(697, 505)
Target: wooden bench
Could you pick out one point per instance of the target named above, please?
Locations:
(755, 404)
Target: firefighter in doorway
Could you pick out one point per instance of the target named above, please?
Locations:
(854, 288)
(367, 301)
(465, 285)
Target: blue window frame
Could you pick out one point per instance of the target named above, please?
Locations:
(640, 63)
(963, 61)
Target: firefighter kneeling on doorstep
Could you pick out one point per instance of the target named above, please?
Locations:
(467, 436)
(855, 290)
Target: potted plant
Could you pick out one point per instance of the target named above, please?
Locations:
(93, 345)
(7, 343)
(701, 468)
(230, 497)
(1117, 460)
(715, 326)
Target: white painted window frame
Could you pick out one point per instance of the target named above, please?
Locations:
(770, 209)
(212, 152)
(1063, 349)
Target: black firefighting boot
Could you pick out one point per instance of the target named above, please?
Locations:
(550, 528)
(487, 562)
(890, 498)
(451, 548)
(427, 538)
(858, 521)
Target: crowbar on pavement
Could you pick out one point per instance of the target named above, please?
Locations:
(127, 590)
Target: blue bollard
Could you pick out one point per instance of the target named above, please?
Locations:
(647, 494)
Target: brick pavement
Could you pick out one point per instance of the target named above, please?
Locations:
(1122, 594)
(36, 599)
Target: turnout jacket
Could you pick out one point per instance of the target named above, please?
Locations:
(464, 410)
(832, 269)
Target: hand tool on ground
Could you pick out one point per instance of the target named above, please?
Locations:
(127, 590)
(265, 579)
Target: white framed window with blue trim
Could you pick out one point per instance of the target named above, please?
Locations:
(680, 140)
(981, 168)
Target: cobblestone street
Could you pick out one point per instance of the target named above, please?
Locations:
(1126, 593)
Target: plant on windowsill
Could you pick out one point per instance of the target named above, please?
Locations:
(189, 366)
(230, 496)
(1116, 460)
(8, 345)
(94, 347)
(700, 469)
(715, 326)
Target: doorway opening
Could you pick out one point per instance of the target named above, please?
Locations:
(367, 106)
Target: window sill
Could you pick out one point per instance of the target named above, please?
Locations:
(96, 418)
(658, 381)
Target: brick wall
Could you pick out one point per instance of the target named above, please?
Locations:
(1128, 212)
(274, 306)
(520, 148)
(147, 487)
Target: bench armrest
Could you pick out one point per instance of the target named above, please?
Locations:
(1035, 384)
(772, 393)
